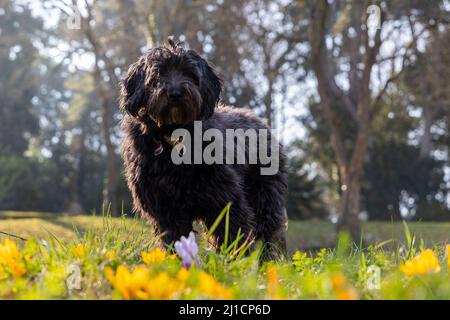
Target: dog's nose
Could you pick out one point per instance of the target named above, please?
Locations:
(175, 93)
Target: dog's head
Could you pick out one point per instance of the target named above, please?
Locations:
(171, 86)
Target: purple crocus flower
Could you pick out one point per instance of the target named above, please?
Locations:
(187, 249)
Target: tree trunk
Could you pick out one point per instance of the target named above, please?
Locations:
(351, 188)
(81, 167)
(349, 207)
(426, 142)
(357, 100)
(110, 183)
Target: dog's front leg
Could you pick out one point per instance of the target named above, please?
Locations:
(228, 189)
(241, 223)
(173, 230)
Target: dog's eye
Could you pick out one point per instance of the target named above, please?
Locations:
(192, 74)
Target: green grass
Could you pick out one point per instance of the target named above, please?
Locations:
(302, 235)
(39, 224)
(314, 234)
(108, 253)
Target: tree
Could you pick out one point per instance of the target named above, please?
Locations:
(108, 32)
(397, 182)
(428, 81)
(344, 55)
(27, 180)
(272, 43)
(20, 77)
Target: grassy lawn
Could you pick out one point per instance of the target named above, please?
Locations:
(88, 257)
(314, 234)
(302, 235)
(39, 224)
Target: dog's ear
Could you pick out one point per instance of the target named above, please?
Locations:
(214, 81)
(211, 87)
(210, 84)
(133, 94)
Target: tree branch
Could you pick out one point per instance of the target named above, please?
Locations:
(395, 74)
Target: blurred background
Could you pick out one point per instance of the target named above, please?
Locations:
(359, 92)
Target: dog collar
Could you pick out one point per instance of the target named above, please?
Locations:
(158, 147)
(175, 143)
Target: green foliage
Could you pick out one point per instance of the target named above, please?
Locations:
(27, 183)
(19, 77)
(387, 177)
(305, 194)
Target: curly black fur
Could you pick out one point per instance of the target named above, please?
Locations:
(169, 87)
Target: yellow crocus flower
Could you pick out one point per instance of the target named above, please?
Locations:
(10, 259)
(424, 262)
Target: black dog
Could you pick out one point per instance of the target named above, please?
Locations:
(170, 87)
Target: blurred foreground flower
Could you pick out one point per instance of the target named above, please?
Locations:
(163, 287)
(80, 250)
(187, 249)
(341, 289)
(11, 260)
(140, 283)
(155, 256)
(130, 284)
(424, 262)
(111, 254)
(272, 282)
(448, 256)
(212, 288)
